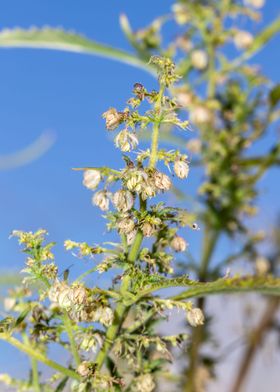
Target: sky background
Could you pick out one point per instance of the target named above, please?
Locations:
(66, 94)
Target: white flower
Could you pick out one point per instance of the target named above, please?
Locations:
(199, 59)
(178, 244)
(147, 229)
(101, 200)
(162, 181)
(181, 168)
(243, 39)
(144, 383)
(126, 141)
(195, 317)
(91, 179)
(123, 200)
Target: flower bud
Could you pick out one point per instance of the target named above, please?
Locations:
(147, 229)
(126, 225)
(78, 295)
(85, 369)
(126, 141)
(135, 181)
(91, 179)
(178, 244)
(181, 168)
(104, 315)
(123, 200)
(144, 383)
(101, 200)
(195, 317)
(113, 118)
(199, 59)
(243, 39)
(162, 181)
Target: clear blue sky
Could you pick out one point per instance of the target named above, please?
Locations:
(67, 93)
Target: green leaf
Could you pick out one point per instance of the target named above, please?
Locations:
(58, 39)
(22, 317)
(62, 384)
(274, 95)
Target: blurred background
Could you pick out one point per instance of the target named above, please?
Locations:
(51, 104)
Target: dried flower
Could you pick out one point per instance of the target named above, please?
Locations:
(181, 168)
(195, 317)
(161, 181)
(126, 141)
(144, 383)
(178, 244)
(104, 315)
(101, 200)
(123, 200)
(199, 59)
(243, 39)
(126, 225)
(131, 236)
(147, 229)
(113, 118)
(91, 179)
(135, 180)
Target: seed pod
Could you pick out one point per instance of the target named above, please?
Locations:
(126, 141)
(101, 200)
(147, 229)
(162, 181)
(181, 168)
(113, 118)
(123, 200)
(199, 59)
(178, 244)
(126, 225)
(195, 317)
(91, 179)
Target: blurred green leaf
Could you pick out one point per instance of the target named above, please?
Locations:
(274, 96)
(9, 278)
(58, 39)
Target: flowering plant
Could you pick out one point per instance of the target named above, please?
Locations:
(111, 334)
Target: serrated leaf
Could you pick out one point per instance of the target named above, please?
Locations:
(59, 39)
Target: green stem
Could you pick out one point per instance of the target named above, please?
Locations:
(35, 375)
(210, 241)
(38, 356)
(155, 134)
(69, 330)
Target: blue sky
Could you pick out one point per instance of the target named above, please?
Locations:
(67, 93)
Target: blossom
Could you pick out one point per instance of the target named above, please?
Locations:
(91, 178)
(126, 225)
(144, 383)
(195, 317)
